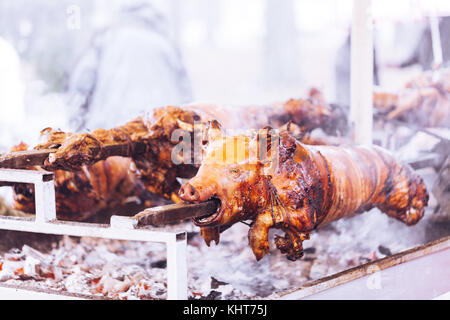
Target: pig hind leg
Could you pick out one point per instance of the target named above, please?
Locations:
(405, 195)
(291, 244)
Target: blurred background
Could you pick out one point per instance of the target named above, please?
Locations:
(80, 64)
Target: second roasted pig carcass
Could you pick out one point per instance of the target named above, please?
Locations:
(156, 170)
(424, 100)
(79, 195)
(276, 181)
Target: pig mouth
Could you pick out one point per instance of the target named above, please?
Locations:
(210, 218)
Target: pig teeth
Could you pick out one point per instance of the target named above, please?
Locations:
(211, 217)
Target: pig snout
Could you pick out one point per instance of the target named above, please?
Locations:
(188, 193)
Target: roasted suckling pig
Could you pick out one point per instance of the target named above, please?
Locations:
(308, 114)
(424, 101)
(296, 187)
(156, 167)
(81, 194)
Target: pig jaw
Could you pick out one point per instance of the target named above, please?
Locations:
(199, 192)
(231, 210)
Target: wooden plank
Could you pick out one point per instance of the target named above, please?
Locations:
(22, 159)
(163, 215)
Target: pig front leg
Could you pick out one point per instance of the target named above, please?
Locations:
(258, 235)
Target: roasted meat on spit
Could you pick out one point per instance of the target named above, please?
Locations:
(155, 169)
(79, 195)
(297, 188)
(424, 100)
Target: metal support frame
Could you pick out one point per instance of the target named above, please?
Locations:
(417, 273)
(378, 279)
(46, 222)
(361, 72)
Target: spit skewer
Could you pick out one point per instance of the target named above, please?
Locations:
(162, 215)
(156, 216)
(22, 159)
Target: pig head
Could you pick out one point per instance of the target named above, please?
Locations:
(238, 172)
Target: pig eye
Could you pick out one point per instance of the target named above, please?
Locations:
(235, 172)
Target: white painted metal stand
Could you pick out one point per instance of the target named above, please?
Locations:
(436, 37)
(418, 273)
(45, 222)
(361, 72)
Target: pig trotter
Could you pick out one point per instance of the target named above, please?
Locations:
(291, 244)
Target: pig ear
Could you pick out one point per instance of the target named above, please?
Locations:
(293, 129)
(211, 131)
(185, 126)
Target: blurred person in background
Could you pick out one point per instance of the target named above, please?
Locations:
(11, 94)
(130, 67)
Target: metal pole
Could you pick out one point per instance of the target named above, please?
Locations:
(177, 268)
(361, 72)
(436, 39)
(45, 201)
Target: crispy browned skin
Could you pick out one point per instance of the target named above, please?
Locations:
(156, 168)
(424, 100)
(308, 114)
(299, 188)
(81, 194)
(96, 185)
